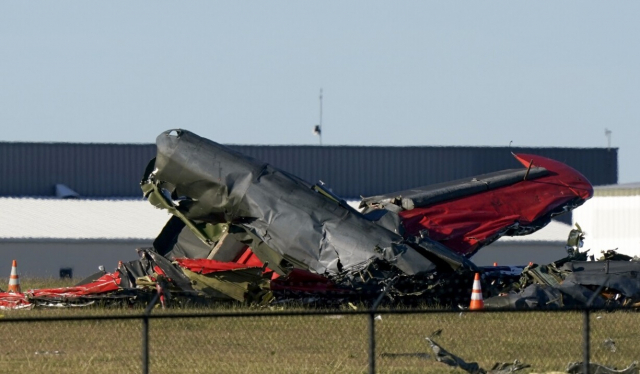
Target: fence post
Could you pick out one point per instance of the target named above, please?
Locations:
(145, 333)
(145, 344)
(372, 327)
(586, 324)
(372, 343)
(585, 341)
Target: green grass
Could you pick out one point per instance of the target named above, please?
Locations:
(307, 344)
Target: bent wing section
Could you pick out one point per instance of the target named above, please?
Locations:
(467, 223)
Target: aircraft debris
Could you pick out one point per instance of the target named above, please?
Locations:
(572, 282)
(442, 355)
(448, 358)
(242, 230)
(505, 367)
(609, 344)
(594, 368)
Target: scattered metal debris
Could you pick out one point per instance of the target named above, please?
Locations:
(442, 355)
(505, 367)
(609, 344)
(611, 281)
(435, 333)
(448, 358)
(578, 368)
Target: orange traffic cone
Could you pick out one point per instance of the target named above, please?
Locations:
(476, 295)
(14, 279)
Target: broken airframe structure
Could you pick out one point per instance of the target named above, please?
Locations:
(244, 230)
(572, 282)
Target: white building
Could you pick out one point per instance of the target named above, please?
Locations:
(542, 247)
(611, 219)
(48, 234)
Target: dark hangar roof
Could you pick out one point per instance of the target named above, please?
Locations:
(114, 170)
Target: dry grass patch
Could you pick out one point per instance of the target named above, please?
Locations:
(306, 344)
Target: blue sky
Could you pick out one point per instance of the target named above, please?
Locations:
(542, 73)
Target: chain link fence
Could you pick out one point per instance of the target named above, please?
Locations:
(341, 341)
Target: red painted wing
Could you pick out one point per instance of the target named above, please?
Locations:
(468, 223)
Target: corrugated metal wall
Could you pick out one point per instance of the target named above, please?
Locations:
(114, 170)
(353, 171)
(92, 170)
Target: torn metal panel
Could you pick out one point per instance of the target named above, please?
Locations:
(159, 198)
(610, 345)
(303, 281)
(227, 249)
(92, 278)
(249, 258)
(235, 284)
(136, 281)
(573, 283)
(543, 274)
(448, 358)
(578, 368)
(621, 276)
(575, 241)
(613, 255)
(226, 280)
(153, 264)
(206, 266)
(576, 295)
(386, 218)
(507, 367)
(535, 296)
(106, 284)
(206, 182)
(542, 296)
(12, 301)
(178, 240)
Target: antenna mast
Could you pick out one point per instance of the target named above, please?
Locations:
(320, 124)
(317, 129)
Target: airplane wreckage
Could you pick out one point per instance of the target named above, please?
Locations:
(244, 230)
